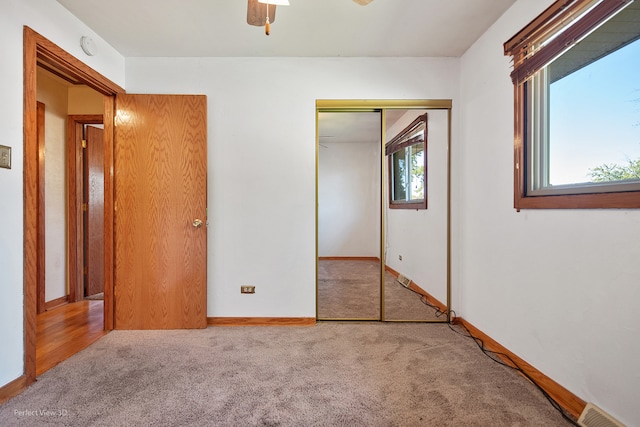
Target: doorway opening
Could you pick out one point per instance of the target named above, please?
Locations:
(70, 191)
(86, 206)
(70, 229)
(40, 52)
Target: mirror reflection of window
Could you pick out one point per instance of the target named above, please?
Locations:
(407, 166)
(401, 273)
(399, 170)
(415, 239)
(417, 172)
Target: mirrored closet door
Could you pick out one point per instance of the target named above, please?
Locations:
(416, 215)
(383, 210)
(349, 198)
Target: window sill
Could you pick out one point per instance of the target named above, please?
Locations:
(422, 204)
(619, 200)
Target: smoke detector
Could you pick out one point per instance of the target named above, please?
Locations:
(88, 45)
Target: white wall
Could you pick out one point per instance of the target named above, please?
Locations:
(54, 96)
(54, 22)
(420, 236)
(560, 288)
(262, 140)
(349, 199)
(60, 100)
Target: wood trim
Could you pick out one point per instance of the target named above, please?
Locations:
(30, 134)
(38, 48)
(109, 209)
(261, 321)
(88, 119)
(13, 388)
(569, 401)
(58, 73)
(41, 290)
(57, 58)
(620, 200)
(348, 258)
(55, 303)
(415, 287)
(75, 228)
(409, 205)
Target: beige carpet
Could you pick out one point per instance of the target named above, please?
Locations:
(332, 374)
(350, 289)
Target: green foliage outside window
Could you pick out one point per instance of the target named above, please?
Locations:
(616, 172)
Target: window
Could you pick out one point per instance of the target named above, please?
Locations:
(407, 154)
(577, 109)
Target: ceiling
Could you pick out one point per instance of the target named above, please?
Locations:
(358, 127)
(306, 28)
(355, 127)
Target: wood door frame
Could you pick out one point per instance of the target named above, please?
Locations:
(75, 183)
(41, 286)
(37, 48)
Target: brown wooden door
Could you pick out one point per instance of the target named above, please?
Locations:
(94, 213)
(160, 190)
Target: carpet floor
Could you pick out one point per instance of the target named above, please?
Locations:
(331, 374)
(95, 297)
(350, 289)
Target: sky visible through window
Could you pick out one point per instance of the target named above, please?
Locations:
(595, 116)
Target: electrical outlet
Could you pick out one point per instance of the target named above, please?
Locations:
(5, 157)
(400, 257)
(247, 289)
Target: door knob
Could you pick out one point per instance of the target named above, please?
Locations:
(197, 223)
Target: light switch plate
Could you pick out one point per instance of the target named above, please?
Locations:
(5, 157)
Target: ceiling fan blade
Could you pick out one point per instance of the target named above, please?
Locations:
(363, 2)
(257, 13)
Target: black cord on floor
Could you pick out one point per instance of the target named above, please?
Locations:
(495, 356)
(425, 301)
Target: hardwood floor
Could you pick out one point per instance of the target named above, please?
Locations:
(66, 330)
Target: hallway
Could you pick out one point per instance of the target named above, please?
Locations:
(66, 330)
